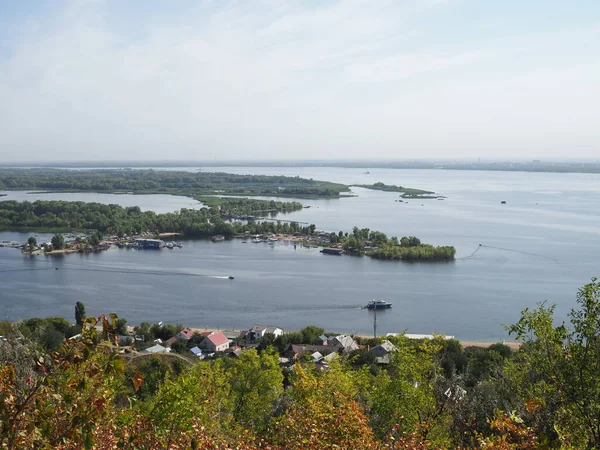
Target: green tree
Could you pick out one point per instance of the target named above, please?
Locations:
(311, 333)
(256, 383)
(79, 313)
(58, 241)
(32, 243)
(557, 368)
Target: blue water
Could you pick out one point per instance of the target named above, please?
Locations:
(542, 245)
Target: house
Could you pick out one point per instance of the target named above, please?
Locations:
(170, 341)
(234, 351)
(322, 340)
(383, 352)
(343, 344)
(197, 352)
(157, 349)
(257, 332)
(215, 342)
(293, 352)
(184, 334)
(419, 336)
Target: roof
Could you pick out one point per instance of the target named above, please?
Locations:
(196, 350)
(387, 346)
(316, 356)
(266, 328)
(419, 336)
(156, 349)
(323, 338)
(170, 341)
(186, 332)
(217, 338)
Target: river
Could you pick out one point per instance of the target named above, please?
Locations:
(542, 244)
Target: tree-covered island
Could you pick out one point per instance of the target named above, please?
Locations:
(193, 184)
(231, 217)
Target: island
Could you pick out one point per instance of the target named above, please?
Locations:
(192, 184)
(405, 192)
(231, 217)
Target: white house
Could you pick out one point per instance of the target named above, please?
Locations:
(257, 332)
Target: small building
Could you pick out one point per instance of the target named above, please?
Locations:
(197, 352)
(184, 334)
(157, 349)
(383, 352)
(344, 344)
(322, 340)
(294, 351)
(215, 342)
(170, 341)
(257, 332)
(234, 352)
(149, 243)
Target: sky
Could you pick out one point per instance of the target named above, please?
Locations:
(288, 79)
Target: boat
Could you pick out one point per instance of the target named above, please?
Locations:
(367, 172)
(332, 251)
(170, 245)
(256, 241)
(503, 202)
(218, 238)
(378, 304)
(273, 239)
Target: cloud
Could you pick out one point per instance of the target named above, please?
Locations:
(273, 79)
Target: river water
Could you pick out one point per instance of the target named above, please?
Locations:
(542, 244)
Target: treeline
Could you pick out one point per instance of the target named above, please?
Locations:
(145, 181)
(433, 394)
(377, 245)
(117, 220)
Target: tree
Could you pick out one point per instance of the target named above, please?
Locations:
(311, 333)
(557, 369)
(79, 313)
(32, 243)
(58, 241)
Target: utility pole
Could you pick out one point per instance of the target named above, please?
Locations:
(375, 322)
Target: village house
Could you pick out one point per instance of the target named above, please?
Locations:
(343, 344)
(322, 340)
(294, 351)
(157, 349)
(215, 342)
(185, 334)
(257, 332)
(383, 352)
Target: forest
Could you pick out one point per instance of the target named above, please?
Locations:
(167, 182)
(116, 220)
(85, 392)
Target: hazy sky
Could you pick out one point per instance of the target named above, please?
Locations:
(155, 79)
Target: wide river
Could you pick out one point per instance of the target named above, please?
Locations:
(543, 244)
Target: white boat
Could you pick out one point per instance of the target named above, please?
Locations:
(378, 304)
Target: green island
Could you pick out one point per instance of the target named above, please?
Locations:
(406, 192)
(97, 383)
(231, 217)
(192, 184)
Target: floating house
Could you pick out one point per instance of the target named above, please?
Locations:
(149, 243)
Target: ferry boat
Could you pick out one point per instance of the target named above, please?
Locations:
(378, 304)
